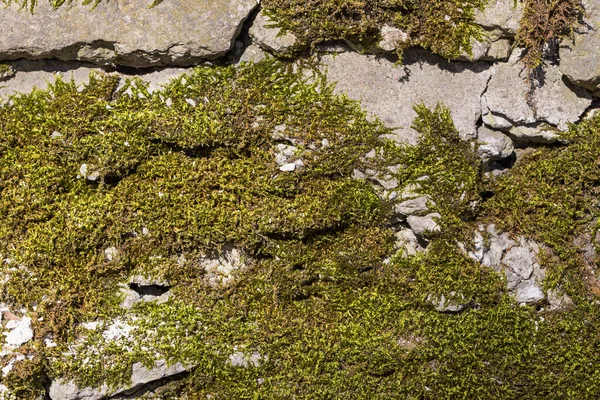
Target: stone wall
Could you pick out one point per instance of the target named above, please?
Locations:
(493, 101)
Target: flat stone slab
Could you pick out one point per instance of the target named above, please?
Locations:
(580, 58)
(124, 32)
(39, 74)
(509, 103)
(390, 91)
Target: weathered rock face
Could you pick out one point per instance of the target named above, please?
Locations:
(268, 37)
(124, 32)
(517, 261)
(580, 58)
(507, 101)
(140, 375)
(493, 145)
(500, 16)
(392, 90)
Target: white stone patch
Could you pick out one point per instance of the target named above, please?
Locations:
(110, 253)
(85, 172)
(19, 332)
(220, 270)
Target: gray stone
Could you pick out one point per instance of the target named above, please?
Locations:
(530, 134)
(391, 37)
(491, 48)
(407, 242)
(529, 292)
(25, 78)
(413, 206)
(390, 91)
(61, 389)
(517, 261)
(455, 302)
(269, 37)
(253, 53)
(420, 225)
(124, 32)
(489, 251)
(500, 15)
(554, 102)
(143, 280)
(522, 259)
(559, 300)
(580, 58)
(493, 145)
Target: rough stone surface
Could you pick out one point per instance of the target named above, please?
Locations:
(534, 134)
(407, 242)
(140, 375)
(553, 103)
(39, 74)
(391, 37)
(493, 145)
(221, 268)
(389, 91)
(124, 32)
(517, 261)
(419, 225)
(252, 53)
(580, 58)
(268, 37)
(413, 206)
(500, 15)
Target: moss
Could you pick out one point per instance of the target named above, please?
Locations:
(181, 172)
(544, 22)
(445, 27)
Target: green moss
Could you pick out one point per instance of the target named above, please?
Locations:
(181, 172)
(445, 27)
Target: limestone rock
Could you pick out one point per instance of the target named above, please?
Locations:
(221, 268)
(268, 37)
(517, 261)
(553, 103)
(67, 390)
(534, 134)
(407, 242)
(580, 58)
(253, 53)
(500, 15)
(390, 91)
(493, 145)
(391, 37)
(420, 225)
(124, 32)
(413, 206)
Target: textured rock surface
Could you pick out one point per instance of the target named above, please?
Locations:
(124, 32)
(500, 15)
(268, 37)
(140, 375)
(493, 145)
(580, 58)
(392, 90)
(420, 225)
(38, 74)
(517, 261)
(554, 102)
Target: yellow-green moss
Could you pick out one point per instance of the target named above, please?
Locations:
(328, 316)
(445, 27)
